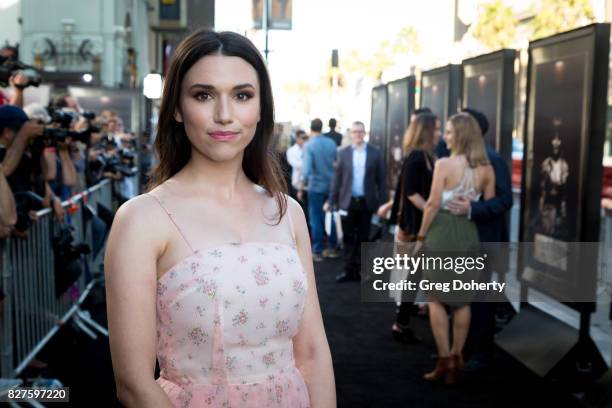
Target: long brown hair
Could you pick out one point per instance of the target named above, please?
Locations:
(260, 163)
(420, 133)
(467, 139)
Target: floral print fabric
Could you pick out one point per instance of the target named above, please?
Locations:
(226, 317)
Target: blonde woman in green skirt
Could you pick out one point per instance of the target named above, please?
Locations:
(467, 173)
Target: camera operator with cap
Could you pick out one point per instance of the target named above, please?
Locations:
(60, 170)
(17, 133)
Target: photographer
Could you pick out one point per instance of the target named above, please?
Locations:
(103, 161)
(22, 162)
(59, 170)
(18, 81)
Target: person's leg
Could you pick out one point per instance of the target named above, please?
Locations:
(461, 325)
(315, 211)
(480, 340)
(348, 242)
(438, 318)
(333, 236)
(364, 221)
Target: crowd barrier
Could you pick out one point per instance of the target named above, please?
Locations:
(32, 314)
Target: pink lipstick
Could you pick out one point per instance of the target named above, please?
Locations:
(223, 135)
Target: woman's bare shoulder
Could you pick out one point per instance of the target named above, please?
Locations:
(444, 163)
(136, 214)
(294, 208)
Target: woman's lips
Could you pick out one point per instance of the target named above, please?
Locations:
(223, 135)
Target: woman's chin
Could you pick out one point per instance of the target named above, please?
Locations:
(222, 153)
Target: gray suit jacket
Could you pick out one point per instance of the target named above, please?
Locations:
(374, 187)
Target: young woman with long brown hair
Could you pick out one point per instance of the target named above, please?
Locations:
(420, 140)
(211, 270)
(466, 173)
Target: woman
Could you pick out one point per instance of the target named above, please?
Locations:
(221, 287)
(412, 191)
(466, 173)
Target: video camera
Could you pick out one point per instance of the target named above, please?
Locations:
(9, 67)
(114, 164)
(54, 135)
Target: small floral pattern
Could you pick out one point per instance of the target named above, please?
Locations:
(240, 318)
(209, 287)
(261, 276)
(226, 317)
(197, 336)
(298, 286)
(268, 359)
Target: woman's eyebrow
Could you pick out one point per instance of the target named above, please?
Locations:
(211, 87)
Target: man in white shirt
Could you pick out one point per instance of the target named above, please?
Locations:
(295, 157)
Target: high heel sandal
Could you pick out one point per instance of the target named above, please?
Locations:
(455, 373)
(443, 366)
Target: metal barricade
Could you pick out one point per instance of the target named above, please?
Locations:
(32, 313)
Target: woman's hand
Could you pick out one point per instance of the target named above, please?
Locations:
(418, 246)
(383, 210)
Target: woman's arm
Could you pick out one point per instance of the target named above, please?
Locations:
(413, 173)
(435, 196)
(68, 170)
(130, 265)
(49, 163)
(417, 200)
(8, 211)
(383, 210)
(310, 347)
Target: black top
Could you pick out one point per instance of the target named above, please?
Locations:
(416, 177)
(335, 136)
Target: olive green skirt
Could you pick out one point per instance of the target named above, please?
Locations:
(454, 239)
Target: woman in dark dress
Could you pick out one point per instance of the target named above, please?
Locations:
(411, 194)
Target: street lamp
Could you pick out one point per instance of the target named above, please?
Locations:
(152, 86)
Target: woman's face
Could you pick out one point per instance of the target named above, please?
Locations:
(219, 106)
(449, 135)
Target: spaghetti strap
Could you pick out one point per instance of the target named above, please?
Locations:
(172, 220)
(291, 225)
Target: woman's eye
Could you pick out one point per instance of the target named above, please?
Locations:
(244, 96)
(202, 96)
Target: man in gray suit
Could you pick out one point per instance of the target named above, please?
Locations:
(357, 190)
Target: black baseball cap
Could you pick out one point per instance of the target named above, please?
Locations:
(12, 117)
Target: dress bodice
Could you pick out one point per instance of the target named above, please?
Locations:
(226, 318)
(228, 314)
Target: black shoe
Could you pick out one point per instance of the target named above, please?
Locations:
(343, 277)
(405, 336)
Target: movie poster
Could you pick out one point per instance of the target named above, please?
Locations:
(397, 122)
(557, 132)
(378, 119)
(435, 96)
(483, 94)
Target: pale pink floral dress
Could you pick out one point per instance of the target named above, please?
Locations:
(226, 317)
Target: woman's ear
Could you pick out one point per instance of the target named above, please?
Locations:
(178, 117)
